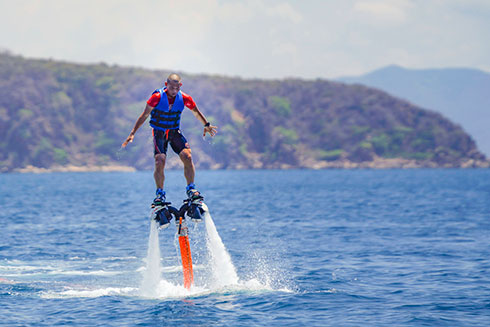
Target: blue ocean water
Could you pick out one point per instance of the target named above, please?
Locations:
(311, 248)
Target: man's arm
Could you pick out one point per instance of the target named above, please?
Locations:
(141, 119)
(208, 128)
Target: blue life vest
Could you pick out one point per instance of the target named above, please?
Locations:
(163, 118)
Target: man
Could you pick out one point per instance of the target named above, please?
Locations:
(165, 106)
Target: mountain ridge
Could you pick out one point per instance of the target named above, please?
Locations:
(55, 115)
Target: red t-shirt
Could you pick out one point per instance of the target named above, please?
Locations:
(155, 99)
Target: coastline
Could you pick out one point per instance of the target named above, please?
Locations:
(378, 163)
(77, 169)
(400, 163)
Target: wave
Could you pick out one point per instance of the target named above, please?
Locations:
(73, 293)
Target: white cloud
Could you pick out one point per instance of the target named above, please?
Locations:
(391, 11)
(285, 11)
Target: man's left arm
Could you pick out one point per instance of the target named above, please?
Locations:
(208, 128)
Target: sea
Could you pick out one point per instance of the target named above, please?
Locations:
(276, 248)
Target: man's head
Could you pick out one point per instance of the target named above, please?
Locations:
(173, 84)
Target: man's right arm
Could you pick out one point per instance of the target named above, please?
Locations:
(141, 119)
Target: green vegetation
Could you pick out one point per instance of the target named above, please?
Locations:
(60, 156)
(288, 136)
(280, 105)
(360, 130)
(54, 113)
(25, 114)
(104, 143)
(330, 155)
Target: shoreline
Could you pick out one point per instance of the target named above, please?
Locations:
(323, 165)
(74, 169)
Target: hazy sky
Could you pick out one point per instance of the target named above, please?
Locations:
(268, 38)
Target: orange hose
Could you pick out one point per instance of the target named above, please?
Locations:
(185, 253)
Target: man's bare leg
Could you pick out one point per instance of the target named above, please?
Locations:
(189, 170)
(158, 173)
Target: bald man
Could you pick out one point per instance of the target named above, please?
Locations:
(165, 106)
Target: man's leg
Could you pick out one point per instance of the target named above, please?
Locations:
(179, 145)
(189, 170)
(159, 202)
(158, 173)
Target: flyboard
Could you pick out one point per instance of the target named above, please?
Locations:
(191, 208)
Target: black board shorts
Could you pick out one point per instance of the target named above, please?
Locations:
(161, 139)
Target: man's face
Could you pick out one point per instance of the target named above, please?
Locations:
(173, 88)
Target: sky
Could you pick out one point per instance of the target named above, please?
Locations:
(252, 39)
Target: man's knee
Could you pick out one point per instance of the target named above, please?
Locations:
(186, 155)
(160, 160)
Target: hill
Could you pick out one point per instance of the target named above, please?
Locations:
(458, 93)
(57, 114)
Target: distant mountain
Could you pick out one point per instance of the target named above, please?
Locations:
(462, 95)
(55, 115)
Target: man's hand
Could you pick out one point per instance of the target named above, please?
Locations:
(212, 130)
(141, 119)
(128, 140)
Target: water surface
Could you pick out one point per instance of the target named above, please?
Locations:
(316, 248)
